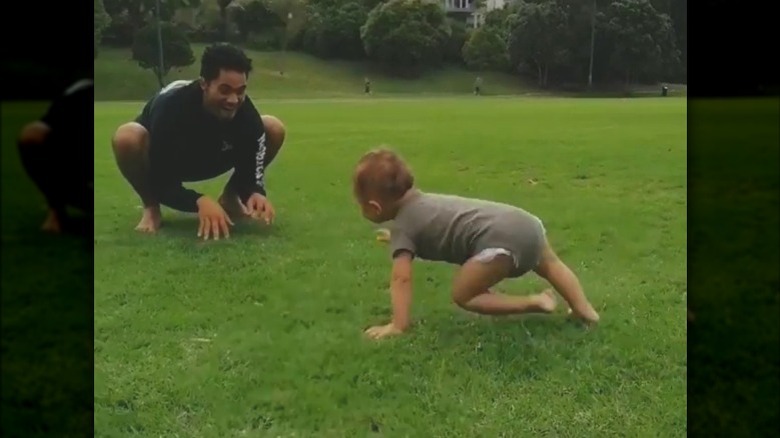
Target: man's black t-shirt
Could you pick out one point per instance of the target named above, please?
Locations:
(186, 143)
(72, 126)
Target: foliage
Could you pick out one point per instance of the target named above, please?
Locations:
(406, 37)
(292, 14)
(486, 50)
(176, 49)
(643, 40)
(458, 37)
(255, 18)
(334, 29)
(102, 20)
(128, 16)
(556, 42)
(535, 37)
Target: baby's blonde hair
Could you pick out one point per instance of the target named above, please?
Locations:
(382, 173)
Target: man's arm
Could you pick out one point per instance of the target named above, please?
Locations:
(401, 289)
(249, 175)
(163, 161)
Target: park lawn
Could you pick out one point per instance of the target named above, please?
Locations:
(119, 78)
(734, 360)
(260, 335)
(45, 311)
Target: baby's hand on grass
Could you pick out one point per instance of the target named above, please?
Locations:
(382, 331)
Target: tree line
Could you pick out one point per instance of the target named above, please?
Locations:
(557, 43)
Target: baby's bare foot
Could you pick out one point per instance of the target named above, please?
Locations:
(546, 301)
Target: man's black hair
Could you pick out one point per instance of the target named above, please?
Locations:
(223, 56)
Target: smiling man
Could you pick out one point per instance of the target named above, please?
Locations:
(197, 130)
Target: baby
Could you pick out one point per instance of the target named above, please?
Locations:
(490, 241)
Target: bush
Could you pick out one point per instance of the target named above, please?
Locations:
(406, 36)
(177, 51)
(486, 50)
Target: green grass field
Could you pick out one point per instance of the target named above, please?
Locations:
(733, 195)
(119, 78)
(261, 335)
(46, 351)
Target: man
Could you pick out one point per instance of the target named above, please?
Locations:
(198, 130)
(56, 154)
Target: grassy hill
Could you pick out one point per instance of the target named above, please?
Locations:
(119, 78)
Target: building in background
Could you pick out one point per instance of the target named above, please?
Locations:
(469, 11)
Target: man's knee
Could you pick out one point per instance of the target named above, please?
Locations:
(274, 131)
(129, 139)
(34, 134)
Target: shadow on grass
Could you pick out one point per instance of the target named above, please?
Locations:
(186, 228)
(493, 339)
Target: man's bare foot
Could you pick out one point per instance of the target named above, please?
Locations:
(52, 223)
(546, 302)
(150, 221)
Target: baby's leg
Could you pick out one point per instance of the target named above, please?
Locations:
(471, 290)
(552, 269)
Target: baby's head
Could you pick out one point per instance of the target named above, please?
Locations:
(380, 181)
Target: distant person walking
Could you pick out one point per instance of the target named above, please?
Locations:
(478, 86)
(367, 86)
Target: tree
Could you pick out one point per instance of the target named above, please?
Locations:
(334, 29)
(177, 51)
(140, 10)
(102, 20)
(642, 39)
(486, 50)
(406, 36)
(580, 40)
(679, 16)
(223, 18)
(535, 37)
(460, 34)
(255, 17)
(292, 13)
(127, 16)
(497, 18)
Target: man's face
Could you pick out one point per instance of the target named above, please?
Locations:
(225, 94)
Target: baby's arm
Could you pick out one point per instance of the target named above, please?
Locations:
(401, 289)
(402, 250)
(401, 296)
